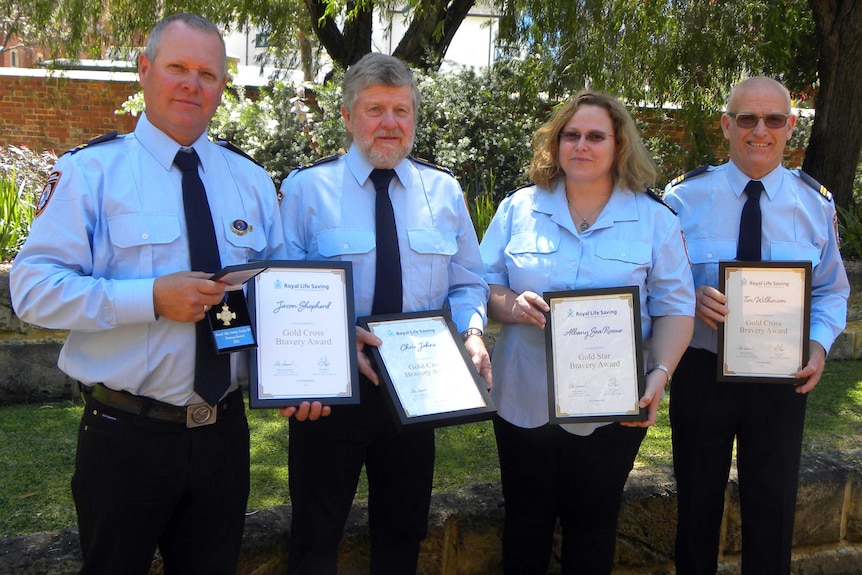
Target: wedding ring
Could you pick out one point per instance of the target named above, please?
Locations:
(206, 308)
(523, 313)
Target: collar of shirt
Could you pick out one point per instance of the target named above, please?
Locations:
(621, 207)
(361, 168)
(738, 180)
(163, 148)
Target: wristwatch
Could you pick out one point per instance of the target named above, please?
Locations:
(471, 331)
(662, 368)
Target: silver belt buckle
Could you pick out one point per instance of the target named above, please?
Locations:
(200, 414)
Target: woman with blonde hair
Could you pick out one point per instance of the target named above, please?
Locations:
(588, 221)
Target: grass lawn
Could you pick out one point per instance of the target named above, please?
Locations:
(37, 451)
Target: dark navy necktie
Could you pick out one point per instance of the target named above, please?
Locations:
(387, 278)
(748, 246)
(212, 370)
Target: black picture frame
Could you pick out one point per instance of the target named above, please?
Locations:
(283, 360)
(766, 350)
(590, 359)
(470, 384)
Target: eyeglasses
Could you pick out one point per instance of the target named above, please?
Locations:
(590, 137)
(746, 120)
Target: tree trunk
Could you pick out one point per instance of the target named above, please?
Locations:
(836, 135)
(345, 47)
(421, 47)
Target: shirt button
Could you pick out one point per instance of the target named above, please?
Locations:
(709, 256)
(346, 246)
(622, 254)
(145, 236)
(437, 247)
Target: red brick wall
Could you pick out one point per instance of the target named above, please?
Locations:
(60, 113)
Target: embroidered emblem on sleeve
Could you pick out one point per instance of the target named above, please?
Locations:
(47, 192)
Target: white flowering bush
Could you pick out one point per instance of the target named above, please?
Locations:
(477, 124)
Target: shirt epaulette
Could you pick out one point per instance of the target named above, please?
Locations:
(525, 186)
(93, 142)
(325, 160)
(431, 165)
(228, 146)
(688, 175)
(815, 185)
(654, 196)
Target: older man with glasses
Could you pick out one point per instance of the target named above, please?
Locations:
(783, 215)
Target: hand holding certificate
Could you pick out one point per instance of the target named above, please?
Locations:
(426, 371)
(765, 336)
(594, 355)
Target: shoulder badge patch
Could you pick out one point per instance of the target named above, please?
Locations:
(430, 165)
(93, 142)
(228, 146)
(655, 197)
(325, 160)
(815, 185)
(689, 175)
(47, 192)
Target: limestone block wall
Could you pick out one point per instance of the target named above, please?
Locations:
(465, 527)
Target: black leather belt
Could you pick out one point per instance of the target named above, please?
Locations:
(195, 415)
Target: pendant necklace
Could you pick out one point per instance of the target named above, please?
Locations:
(585, 225)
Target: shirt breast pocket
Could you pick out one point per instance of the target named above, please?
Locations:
(339, 243)
(144, 241)
(532, 258)
(794, 252)
(624, 262)
(427, 267)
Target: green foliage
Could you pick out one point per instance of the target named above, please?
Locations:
(476, 124)
(850, 231)
(22, 174)
(15, 218)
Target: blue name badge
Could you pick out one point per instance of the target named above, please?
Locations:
(230, 339)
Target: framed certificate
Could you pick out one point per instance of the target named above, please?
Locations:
(765, 335)
(595, 355)
(425, 370)
(303, 314)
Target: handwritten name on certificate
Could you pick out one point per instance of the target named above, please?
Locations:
(426, 367)
(765, 331)
(594, 359)
(302, 323)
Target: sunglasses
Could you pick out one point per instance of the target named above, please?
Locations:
(746, 120)
(590, 137)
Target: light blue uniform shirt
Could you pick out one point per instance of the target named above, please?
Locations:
(532, 244)
(114, 223)
(328, 213)
(798, 225)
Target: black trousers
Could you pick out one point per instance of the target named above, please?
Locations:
(767, 422)
(326, 458)
(549, 473)
(141, 483)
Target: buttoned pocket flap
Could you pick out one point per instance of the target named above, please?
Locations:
(711, 251)
(431, 241)
(534, 243)
(795, 252)
(624, 251)
(130, 230)
(340, 242)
